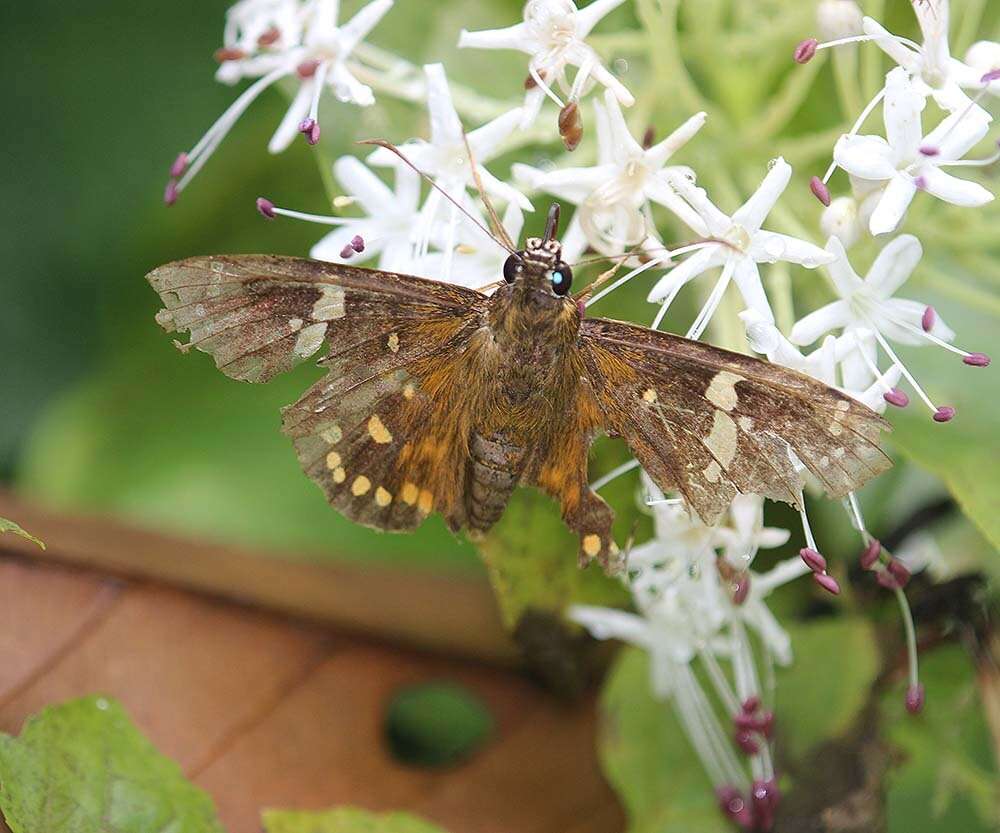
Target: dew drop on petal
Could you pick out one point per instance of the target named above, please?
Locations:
(774, 248)
(620, 66)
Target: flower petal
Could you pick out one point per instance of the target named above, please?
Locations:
(512, 37)
(958, 134)
(894, 265)
(866, 157)
(358, 27)
(747, 278)
(770, 247)
(755, 210)
(954, 190)
(844, 278)
(359, 181)
(446, 127)
(573, 185)
(288, 129)
(485, 141)
(588, 17)
(623, 144)
(901, 320)
(502, 190)
(607, 623)
(891, 45)
(691, 267)
(892, 205)
(717, 222)
(831, 317)
(658, 154)
(901, 111)
(855, 370)
(659, 191)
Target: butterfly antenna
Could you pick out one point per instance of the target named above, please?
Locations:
(499, 232)
(389, 146)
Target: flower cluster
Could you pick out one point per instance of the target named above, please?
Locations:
(697, 598)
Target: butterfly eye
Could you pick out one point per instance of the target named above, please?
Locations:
(562, 279)
(512, 268)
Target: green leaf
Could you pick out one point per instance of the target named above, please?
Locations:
(83, 767)
(646, 755)
(344, 820)
(532, 563)
(10, 526)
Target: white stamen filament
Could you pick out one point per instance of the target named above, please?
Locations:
(718, 678)
(213, 137)
(320, 219)
(879, 376)
(780, 574)
(615, 473)
(626, 278)
(544, 86)
(854, 513)
(869, 109)
(865, 39)
(318, 79)
(971, 163)
(902, 369)
(922, 333)
(911, 636)
(806, 529)
(712, 304)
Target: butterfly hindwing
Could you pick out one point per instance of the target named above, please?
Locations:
(710, 424)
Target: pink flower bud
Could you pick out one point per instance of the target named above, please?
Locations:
(347, 252)
(751, 704)
(928, 319)
(170, 193)
(358, 243)
(741, 589)
(805, 51)
(307, 69)
(930, 150)
(945, 413)
(990, 77)
(764, 800)
(887, 580)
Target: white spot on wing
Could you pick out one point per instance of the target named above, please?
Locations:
(722, 390)
(721, 441)
(330, 305)
(310, 340)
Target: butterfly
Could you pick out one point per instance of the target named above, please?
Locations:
(439, 398)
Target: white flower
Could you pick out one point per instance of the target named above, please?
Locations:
(868, 312)
(746, 532)
(390, 217)
(854, 378)
(744, 244)
(553, 33)
(445, 157)
(933, 70)
(840, 219)
(869, 304)
(908, 161)
(613, 196)
(984, 58)
(308, 44)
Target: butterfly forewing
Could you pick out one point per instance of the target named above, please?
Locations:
(709, 423)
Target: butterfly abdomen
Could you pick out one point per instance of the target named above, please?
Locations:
(495, 468)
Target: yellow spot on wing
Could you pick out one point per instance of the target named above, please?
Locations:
(409, 493)
(360, 486)
(408, 391)
(393, 342)
(425, 502)
(649, 395)
(592, 544)
(378, 431)
(332, 460)
(382, 496)
(332, 434)
(339, 475)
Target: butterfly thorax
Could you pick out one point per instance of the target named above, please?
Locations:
(531, 335)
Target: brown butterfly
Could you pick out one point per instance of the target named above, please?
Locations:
(442, 399)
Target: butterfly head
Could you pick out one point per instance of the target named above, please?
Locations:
(538, 270)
